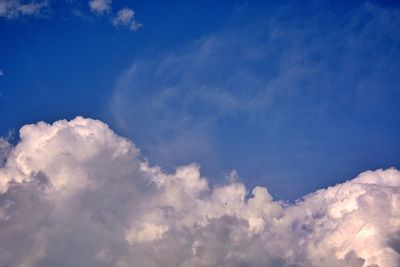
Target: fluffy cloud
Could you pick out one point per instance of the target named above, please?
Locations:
(126, 17)
(100, 6)
(14, 8)
(75, 194)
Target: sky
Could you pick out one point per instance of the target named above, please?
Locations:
(300, 94)
(304, 94)
(223, 133)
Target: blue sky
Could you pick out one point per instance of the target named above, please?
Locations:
(294, 96)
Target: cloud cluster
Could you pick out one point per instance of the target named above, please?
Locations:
(126, 17)
(73, 193)
(11, 9)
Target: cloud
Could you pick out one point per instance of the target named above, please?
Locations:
(12, 9)
(2, 73)
(289, 74)
(73, 193)
(100, 6)
(126, 17)
(5, 148)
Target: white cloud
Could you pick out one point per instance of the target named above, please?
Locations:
(75, 194)
(100, 6)
(12, 9)
(15, 8)
(126, 17)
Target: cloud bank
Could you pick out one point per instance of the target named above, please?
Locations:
(73, 193)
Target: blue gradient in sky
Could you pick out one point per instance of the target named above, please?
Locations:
(294, 96)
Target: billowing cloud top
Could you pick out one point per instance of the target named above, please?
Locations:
(75, 194)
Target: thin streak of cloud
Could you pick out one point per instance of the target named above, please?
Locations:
(282, 78)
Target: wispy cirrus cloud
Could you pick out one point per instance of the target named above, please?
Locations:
(292, 83)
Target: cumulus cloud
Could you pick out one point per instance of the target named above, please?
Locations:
(73, 193)
(126, 17)
(100, 6)
(15, 8)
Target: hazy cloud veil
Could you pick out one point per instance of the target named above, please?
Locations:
(304, 90)
(75, 194)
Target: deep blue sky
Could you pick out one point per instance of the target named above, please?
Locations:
(295, 95)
